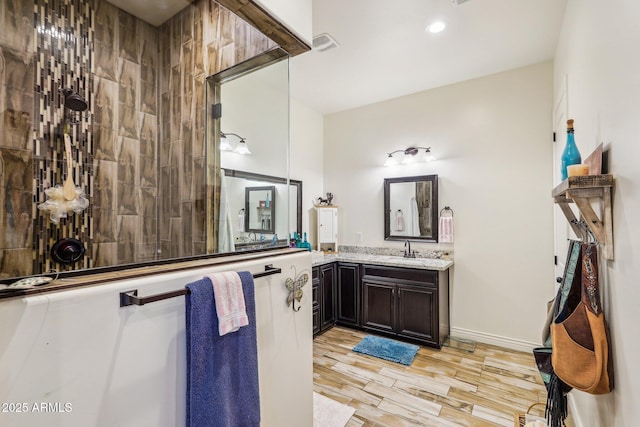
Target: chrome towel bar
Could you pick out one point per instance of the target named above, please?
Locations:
(131, 297)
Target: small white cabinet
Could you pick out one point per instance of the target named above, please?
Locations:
(327, 228)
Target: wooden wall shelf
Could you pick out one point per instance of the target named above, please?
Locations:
(579, 190)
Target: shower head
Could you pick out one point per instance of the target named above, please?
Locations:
(73, 101)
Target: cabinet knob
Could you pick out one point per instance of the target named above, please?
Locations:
(559, 279)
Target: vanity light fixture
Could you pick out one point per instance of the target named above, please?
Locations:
(225, 145)
(409, 155)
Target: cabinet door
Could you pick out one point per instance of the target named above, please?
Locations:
(327, 221)
(315, 296)
(316, 320)
(378, 305)
(327, 296)
(417, 312)
(348, 286)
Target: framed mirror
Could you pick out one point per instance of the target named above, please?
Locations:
(243, 224)
(411, 208)
(260, 209)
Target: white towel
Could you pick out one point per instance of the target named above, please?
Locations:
(225, 235)
(445, 231)
(240, 227)
(415, 218)
(229, 299)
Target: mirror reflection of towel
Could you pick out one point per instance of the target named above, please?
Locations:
(240, 227)
(415, 218)
(225, 236)
(399, 220)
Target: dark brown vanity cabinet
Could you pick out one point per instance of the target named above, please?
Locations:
(324, 297)
(407, 303)
(348, 294)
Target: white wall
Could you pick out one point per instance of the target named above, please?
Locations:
(597, 52)
(307, 160)
(255, 106)
(492, 139)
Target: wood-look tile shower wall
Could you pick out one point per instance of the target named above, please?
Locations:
(201, 40)
(139, 153)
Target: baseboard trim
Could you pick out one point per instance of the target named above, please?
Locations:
(500, 341)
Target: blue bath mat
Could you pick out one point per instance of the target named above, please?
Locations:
(384, 348)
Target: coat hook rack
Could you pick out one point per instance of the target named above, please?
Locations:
(582, 190)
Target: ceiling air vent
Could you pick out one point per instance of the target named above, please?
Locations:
(323, 42)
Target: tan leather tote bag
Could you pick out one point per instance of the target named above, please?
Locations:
(579, 335)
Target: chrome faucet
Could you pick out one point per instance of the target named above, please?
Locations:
(407, 250)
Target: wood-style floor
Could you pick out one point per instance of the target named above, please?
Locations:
(447, 387)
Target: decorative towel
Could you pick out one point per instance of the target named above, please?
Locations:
(445, 231)
(399, 220)
(230, 307)
(222, 371)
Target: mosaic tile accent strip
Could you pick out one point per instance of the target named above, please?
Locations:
(63, 33)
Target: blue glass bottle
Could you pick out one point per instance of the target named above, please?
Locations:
(570, 155)
(305, 244)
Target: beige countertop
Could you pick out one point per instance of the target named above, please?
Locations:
(319, 258)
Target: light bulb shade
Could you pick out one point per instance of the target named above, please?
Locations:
(429, 157)
(408, 159)
(224, 144)
(242, 148)
(390, 161)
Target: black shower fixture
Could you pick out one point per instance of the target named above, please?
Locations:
(67, 251)
(73, 100)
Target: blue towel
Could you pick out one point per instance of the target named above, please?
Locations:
(222, 371)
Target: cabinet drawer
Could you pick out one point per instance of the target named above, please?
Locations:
(408, 274)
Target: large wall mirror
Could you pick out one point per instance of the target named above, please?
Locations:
(411, 208)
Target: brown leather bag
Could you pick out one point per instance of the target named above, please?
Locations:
(581, 348)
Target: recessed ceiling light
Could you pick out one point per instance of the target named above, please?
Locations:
(436, 27)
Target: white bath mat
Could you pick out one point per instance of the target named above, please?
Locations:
(329, 413)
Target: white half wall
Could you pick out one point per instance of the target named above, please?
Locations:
(597, 51)
(493, 142)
